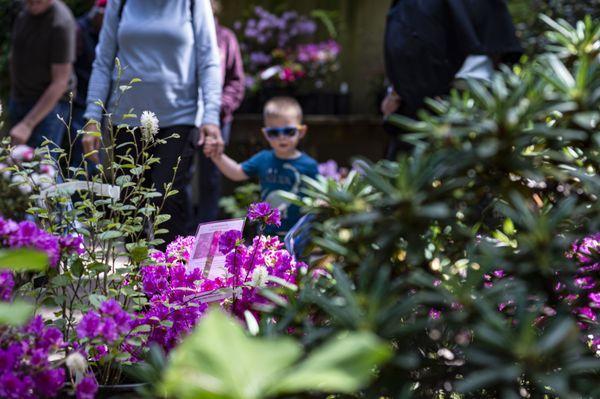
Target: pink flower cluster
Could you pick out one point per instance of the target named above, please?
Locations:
(586, 253)
(40, 174)
(27, 235)
(263, 212)
(105, 327)
(7, 284)
(319, 53)
(25, 368)
(278, 51)
(253, 267)
(174, 294)
(177, 294)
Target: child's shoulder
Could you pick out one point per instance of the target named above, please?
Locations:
(305, 158)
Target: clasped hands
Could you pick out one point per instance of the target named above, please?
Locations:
(209, 137)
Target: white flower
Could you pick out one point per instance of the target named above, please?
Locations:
(23, 152)
(41, 181)
(259, 276)
(6, 173)
(76, 363)
(48, 170)
(22, 183)
(149, 123)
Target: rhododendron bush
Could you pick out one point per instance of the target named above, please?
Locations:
(117, 331)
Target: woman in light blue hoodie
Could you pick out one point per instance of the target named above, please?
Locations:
(171, 46)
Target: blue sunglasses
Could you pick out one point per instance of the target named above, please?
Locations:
(286, 131)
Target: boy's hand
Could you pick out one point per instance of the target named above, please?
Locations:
(210, 147)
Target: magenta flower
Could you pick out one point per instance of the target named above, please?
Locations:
(107, 326)
(49, 382)
(89, 326)
(585, 283)
(229, 240)
(586, 312)
(72, 244)
(25, 367)
(434, 314)
(7, 284)
(595, 297)
(87, 388)
(263, 212)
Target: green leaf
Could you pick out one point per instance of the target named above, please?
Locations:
(219, 360)
(16, 313)
(96, 300)
(22, 260)
(77, 268)
(110, 235)
(343, 365)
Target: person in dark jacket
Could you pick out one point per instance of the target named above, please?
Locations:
(427, 43)
(88, 31)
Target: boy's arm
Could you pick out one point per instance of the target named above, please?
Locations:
(230, 168)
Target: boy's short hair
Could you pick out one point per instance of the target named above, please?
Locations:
(283, 106)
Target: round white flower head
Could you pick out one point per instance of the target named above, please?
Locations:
(22, 152)
(149, 123)
(76, 363)
(259, 276)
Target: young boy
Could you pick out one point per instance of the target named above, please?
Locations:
(279, 168)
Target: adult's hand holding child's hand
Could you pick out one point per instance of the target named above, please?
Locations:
(210, 147)
(211, 131)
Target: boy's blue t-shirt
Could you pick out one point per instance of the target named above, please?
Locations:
(280, 174)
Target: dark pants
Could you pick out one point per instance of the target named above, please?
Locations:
(74, 146)
(50, 127)
(210, 184)
(178, 206)
(396, 146)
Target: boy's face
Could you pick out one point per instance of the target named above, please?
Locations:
(283, 144)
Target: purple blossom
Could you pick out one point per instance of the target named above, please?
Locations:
(27, 235)
(329, 169)
(89, 326)
(585, 283)
(72, 244)
(260, 59)
(7, 284)
(434, 314)
(25, 367)
(87, 388)
(13, 387)
(263, 212)
(111, 307)
(586, 312)
(595, 297)
(229, 240)
(48, 383)
(106, 326)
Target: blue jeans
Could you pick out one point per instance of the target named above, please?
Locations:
(50, 127)
(210, 184)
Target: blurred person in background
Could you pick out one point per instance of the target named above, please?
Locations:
(172, 47)
(41, 70)
(430, 43)
(232, 70)
(88, 32)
